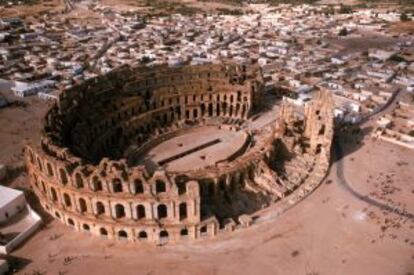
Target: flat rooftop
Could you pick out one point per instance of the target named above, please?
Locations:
(8, 195)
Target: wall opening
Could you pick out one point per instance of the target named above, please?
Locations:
(100, 208)
(122, 234)
(119, 211)
(82, 205)
(160, 186)
(117, 185)
(162, 211)
(183, 210)
(140, 212)
(139, 187)
(143, 236)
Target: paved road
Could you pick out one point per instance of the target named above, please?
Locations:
(339, 165)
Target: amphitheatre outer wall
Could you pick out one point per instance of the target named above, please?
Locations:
(81, 177)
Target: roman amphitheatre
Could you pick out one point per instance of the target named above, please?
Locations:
(170, 155)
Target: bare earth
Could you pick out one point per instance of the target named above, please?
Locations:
(333, 231)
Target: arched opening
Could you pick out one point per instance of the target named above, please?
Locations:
(182, 187)
(117, 185)
(164, 236)
(140, 212)
(49, 169)
(54, 195)
(97, 184)
(71, 222)
(57, 215)
(162, 211)
(203, 109)
(119, 211)
(160, 186)
(103, 232)
(203, 230)
(183, 210)
(210, 109)
(122, 234)
(184, 232)
(63, 176)
(82, 205)
(142, 236)
(100, 208)
(67, 200)
(79, 180)
(86, 227)
(139, 187)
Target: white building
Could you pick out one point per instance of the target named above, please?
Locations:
(23, 89)
(11, 203)
(17, 220)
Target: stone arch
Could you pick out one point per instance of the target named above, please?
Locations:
(103, 231)
(122, 234)
(79, 180)
(49, 169)
(54, 194)
(160, 186)
(67, 200)
(100, 208)
(96, 184)
(71, 222)
(140, 212)
(82, 205)
(184, 232)
(63, 176)
(117, 186)
(138, 186)
(86, 227)
(183, 211)
(142, 235)
(119, 211)
(162, 211)
(203, 230)
(182, 187)
(164, 236)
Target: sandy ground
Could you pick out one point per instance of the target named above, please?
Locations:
(196, 149)
(333, 231)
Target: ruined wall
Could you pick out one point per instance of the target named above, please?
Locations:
(76, 182)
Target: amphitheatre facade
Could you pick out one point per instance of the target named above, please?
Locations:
(172, 154)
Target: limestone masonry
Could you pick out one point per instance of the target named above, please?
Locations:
(96, 170)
